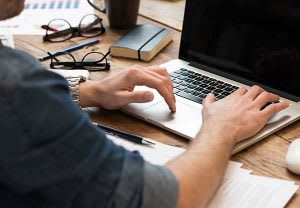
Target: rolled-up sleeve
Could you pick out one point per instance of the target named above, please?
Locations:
(160, 187)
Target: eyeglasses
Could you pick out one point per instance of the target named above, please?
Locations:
(59, 30)
(93, 61)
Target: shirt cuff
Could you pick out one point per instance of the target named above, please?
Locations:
(160, 187)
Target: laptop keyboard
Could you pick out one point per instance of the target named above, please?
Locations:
(195, 86)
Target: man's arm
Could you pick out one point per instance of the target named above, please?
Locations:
(225, 122)
(200, 170)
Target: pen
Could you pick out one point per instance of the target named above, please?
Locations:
(124, 135)
(68, 50)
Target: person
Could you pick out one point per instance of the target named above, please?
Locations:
(51, 155)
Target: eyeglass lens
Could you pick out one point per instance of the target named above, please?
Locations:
(59, 30)
(95, 61)
(90, 26)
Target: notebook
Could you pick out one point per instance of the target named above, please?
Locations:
(143, 42)
(239, 189)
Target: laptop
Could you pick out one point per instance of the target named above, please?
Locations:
(227, 44)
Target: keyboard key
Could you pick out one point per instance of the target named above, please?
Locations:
(175, 75)
(181, 87)
(176, 90)
(187, 90)
(184, 73)
(196, 93)
(175, 85)
(189, 80)
(211, 88)
(190, 97)
(218, 90)
(181, 77)
(192, 86)
(202, 96)
(206, 91)
(177, 81)
(184, 83)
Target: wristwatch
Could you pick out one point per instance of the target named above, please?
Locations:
(74, 82)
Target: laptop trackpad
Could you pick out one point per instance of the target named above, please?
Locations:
(186, 121)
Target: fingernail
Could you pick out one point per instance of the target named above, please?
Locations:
(149, 96)
(173, 108)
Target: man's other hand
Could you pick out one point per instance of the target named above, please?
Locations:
(118, 91)
(239, 115)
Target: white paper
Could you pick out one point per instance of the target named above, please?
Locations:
(7, 40)
(253, 192)
(41, 12)
(239, 189)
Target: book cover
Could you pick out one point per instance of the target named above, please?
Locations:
(143, 42)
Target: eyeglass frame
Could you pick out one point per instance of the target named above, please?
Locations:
(75, 31)
(80, 65)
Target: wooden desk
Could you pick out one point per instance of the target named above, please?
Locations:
(264, 158)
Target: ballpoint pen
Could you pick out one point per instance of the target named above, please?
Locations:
(68, 50)
(124, 135)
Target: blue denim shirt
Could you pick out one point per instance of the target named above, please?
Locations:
(52, 156)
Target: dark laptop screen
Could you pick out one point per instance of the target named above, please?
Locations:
(258, 40)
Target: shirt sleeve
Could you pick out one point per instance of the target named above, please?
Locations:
(160, 187)
(52, 155)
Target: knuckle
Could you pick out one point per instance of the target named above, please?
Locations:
(242, 89)
(133, 71)
(132, 74)
(265, 94)
(257, 88)
(165, 79)
(160, 83)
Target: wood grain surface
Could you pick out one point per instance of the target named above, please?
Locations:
(265, 158)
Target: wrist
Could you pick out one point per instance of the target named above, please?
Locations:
(89, 91)
(215, 138)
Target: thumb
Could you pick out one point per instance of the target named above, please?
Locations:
(137, 97)
(210, 98)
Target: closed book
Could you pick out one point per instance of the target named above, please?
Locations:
(143, 42)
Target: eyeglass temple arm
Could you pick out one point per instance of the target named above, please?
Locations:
(60, 33)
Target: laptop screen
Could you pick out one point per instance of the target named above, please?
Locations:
(253, 40)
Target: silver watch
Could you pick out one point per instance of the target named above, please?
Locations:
(74, 82)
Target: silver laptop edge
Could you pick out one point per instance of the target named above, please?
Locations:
(149, 113)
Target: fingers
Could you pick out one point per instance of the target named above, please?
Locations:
(264, 98)
(241, 91)
(166, 79)
(136, 97)
(210, 98)
(139, 77)
(253, 92)
(273, 109)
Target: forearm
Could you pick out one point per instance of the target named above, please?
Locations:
(200, 170)
(89, 92)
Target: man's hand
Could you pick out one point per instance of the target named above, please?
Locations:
(201, 168)
(239, 115)
(118, 91)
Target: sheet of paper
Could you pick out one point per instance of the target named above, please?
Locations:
(253, 192)
(41, 12)
(239, 189)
